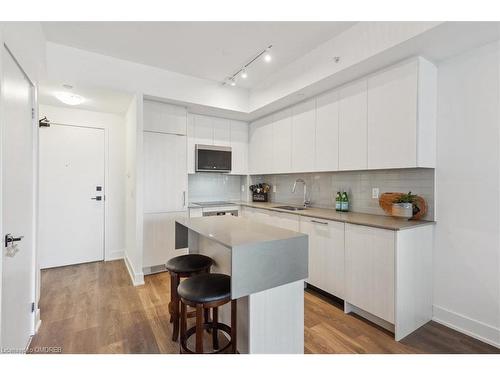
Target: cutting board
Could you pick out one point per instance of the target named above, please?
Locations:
(386, 199)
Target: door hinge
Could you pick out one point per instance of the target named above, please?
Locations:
(32, 113)
(32, 306)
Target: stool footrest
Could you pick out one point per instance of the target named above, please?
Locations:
(210, 325)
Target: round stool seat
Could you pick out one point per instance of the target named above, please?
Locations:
(206, 288)
(190, 263)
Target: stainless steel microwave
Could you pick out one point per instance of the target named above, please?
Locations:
(213, 158)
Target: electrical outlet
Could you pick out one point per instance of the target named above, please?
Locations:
(375, 193)
(274, 188)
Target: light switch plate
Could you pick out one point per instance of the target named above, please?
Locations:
(274, 188)
(242, 188)
(375, 193)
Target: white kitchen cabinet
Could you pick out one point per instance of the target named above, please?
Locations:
(159, 238)
(261, 144)
(239, 147)
(326, 254)
(165, 175)
(203, 130)
(282, 141)
(401, 116)
(190, 157)
(164, 118)
(353, 126)
(303, 136)
(369, 262)
(387, 276)
(327, 132)
(221, 131)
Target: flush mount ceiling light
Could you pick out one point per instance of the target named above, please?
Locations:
(243, 71)
(69, 98)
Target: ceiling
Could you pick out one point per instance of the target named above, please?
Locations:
(96, 99)
(209, 50)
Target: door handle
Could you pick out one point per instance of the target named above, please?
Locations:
(319, 222)
(10, 238)
(98, 198)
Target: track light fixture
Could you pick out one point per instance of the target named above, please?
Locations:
(243, 71)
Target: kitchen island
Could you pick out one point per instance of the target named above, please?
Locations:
(267, 265)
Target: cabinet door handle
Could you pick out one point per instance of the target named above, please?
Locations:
(319, 222)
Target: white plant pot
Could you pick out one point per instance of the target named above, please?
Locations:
(402, 210)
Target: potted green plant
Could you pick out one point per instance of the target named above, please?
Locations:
(404, 206)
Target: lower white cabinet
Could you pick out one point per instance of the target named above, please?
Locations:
(159, 238)
(388, 274)
(369, 263)
(326, 254)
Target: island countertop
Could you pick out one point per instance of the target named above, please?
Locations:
(257, 256)
(232, 231)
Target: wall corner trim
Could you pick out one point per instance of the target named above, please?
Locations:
(136, 277)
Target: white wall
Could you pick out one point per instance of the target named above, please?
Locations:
(114, 126)
(133, 201)
(467, 243)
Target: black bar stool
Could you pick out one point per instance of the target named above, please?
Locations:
(181, 267)
(207, 291)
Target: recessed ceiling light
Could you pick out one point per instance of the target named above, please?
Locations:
(244, 74)
(69, 98)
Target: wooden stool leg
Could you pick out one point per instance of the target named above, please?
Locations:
(207, 317)
(174, 300)
(199, 328)
(215, 331)
(234, 337)
(183, 325)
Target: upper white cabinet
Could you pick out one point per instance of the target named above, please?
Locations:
(327, 132)
(353, 126)
(239, 146)
(260, 148)
(386, 120)
(303, 136)
(164, 118)
(165, 177)
(401, 128)
(282, 141)
(222, 131)
(208, 130)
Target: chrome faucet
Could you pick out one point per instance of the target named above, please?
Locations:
(306, 201)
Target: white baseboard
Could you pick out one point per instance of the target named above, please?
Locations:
(136, 277)
(38, 321)
(466, 325)
(115, 255)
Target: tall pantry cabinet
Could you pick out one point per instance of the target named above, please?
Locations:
(165, 180)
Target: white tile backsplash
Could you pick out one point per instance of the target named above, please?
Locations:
(205, 187)
(322, 187)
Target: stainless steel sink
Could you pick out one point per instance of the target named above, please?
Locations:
(290, 208)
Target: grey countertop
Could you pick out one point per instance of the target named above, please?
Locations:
(376, 221)
(232, 231)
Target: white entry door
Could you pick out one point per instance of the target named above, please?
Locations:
(17, 284)
(71, 198)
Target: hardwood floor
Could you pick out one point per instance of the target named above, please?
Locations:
(94, 308)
